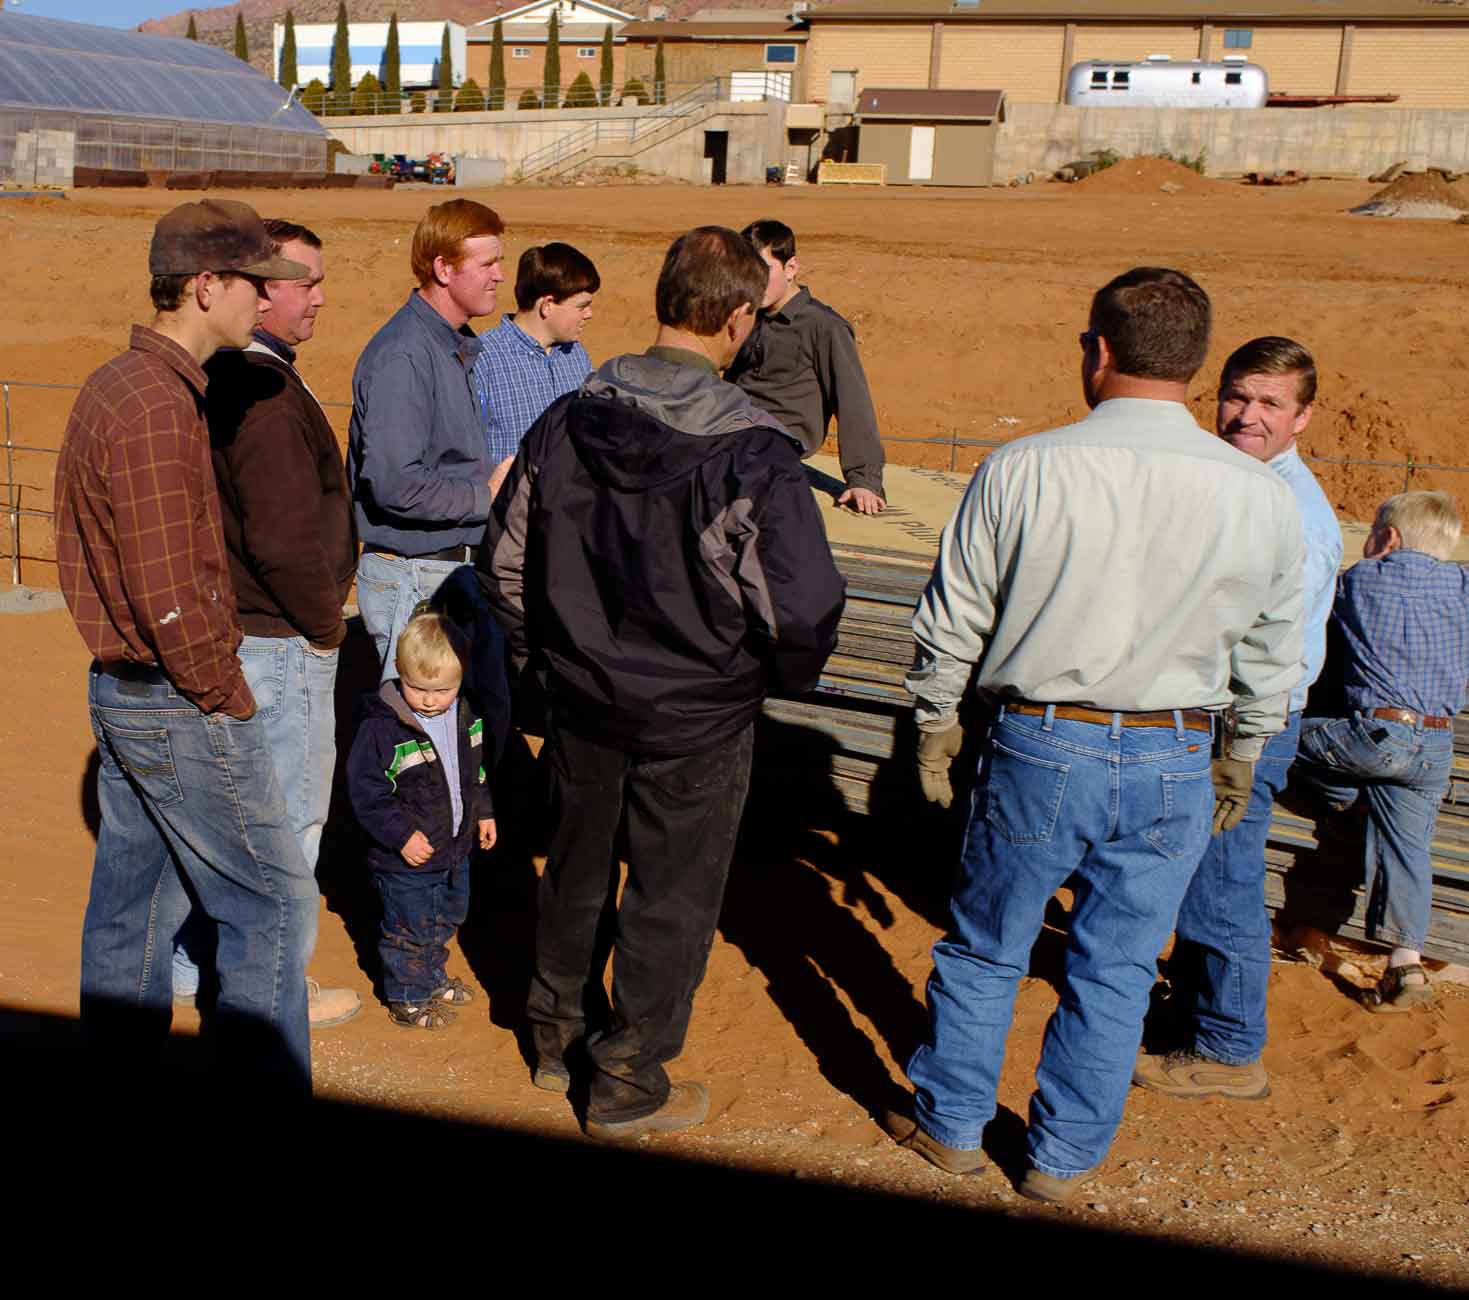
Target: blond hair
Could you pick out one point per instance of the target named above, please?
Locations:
(1426, 521)
(428, 645)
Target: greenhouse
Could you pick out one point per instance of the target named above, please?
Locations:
(78, 96)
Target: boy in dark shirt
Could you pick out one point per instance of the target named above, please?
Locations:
(801, 365)
(417, 785)
(1402, 620)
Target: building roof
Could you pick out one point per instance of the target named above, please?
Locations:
(535, 34)
(1235, 12)
(955, 105)
(523, 12)
(702, 31)
(46, 63)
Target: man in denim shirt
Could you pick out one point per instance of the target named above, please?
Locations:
(1403, 617)
(416, 456)
(1220, 967)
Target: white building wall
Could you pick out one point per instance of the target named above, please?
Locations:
(419, 45)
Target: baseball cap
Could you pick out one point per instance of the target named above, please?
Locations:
(217, 235)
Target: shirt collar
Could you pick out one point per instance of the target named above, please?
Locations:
(1286, 460)
(793, 308)
(462, 341)
(527, 340)
(683, 357)
(149, 340)
(282, 349)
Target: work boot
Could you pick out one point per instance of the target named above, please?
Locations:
(1051, 1190)
(327, 1008)
(906, 1132)
(687, 1105)
(551, 1076)
(1190, 1075)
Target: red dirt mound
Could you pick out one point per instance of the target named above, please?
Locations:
(1145, 176)
(1421, 187)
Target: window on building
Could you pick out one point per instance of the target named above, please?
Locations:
(520, 52)
(1099, 77)
(1238, 38)
(1121, 78)
(587, 51)
(1234, 78)
(966, 4)
(1197, 78)
(780, 54)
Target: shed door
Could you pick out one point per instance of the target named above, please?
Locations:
(920, 154)
(843, 89)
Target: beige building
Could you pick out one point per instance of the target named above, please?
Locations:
(749, 51)
(1416, 50)
(581, 26)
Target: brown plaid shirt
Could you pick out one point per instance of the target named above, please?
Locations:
(139, 546)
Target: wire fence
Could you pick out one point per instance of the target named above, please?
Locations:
(14, 510)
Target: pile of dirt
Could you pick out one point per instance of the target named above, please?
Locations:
(1147, 176)
(1416, 194)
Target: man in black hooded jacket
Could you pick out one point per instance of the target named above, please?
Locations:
(658, 564)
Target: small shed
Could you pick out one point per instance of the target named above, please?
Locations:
(931, 137)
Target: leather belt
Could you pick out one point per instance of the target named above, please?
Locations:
(463, 554)
(1410, 719)
(125, 670)
(1194, 719)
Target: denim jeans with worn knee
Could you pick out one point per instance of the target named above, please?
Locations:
(388, 587)
(421, 911)
(1402, 771)
(1127, 810)
(1221, 957)
(185, 795)
(294, 688)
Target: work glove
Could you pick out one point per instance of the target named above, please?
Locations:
(1234, 778)
(936, 753)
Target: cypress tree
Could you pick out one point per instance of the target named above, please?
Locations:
(393, 63)
(445, 101)
(193, 33)
(551, 82)
(660, 75)
(290, 75)
(342, 62)
(496, 98)
(242, 48)
(606, 77)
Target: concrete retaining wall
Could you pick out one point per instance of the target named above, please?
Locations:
(754, 137)
(1346, 141)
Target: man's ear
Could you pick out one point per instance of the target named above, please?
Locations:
(732, 322)
(442, 267)
(1298, 427)
(792, 269)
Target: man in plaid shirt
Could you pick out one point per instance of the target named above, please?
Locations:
(1402, 626)
(189, 798)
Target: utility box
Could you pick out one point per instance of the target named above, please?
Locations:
(805, 117)
(478, 171)
(930, 137)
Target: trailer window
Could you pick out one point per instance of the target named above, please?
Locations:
(1099, 76)
(1197, 78)
(1234, 78)
(1238, 38)
(1121, 78)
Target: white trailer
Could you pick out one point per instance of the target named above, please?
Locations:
(1161, 82)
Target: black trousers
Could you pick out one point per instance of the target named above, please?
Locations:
(674, 820)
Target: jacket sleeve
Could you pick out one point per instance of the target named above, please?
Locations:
(843, 380)
(957, 612)
(501, 561)
(369, 787)
(394, 402)
(792, 592)
(276, 482)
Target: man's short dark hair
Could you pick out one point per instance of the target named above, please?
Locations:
(557, 270)
(167, 291)
(283, 232)
(774, 237)
(1273, 355)
(707, 274)
(1155, 321)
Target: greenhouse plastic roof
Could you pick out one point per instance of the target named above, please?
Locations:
(70, 67)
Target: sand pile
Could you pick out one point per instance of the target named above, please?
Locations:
(1424, 195)
(1147, 176)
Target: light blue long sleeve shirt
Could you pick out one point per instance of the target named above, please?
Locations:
(1323, 559)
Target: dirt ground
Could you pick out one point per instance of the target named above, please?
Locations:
(967, 306)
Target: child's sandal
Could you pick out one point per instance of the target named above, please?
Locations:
(1395, 993)
(453, 993)
(420, 1015)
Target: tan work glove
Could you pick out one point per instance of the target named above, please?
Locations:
(936, 753)
(1234, 778)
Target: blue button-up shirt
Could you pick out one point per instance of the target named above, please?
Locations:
(1405, 619)
(517, 379)
(1323, 559)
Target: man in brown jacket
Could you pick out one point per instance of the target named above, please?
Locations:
(292, 548)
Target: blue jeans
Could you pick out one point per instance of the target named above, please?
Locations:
(189, 796)
(1127, 809)
(1221, 957)
(1403, 772)
(294, 689)
(388, 587)
(421, 912)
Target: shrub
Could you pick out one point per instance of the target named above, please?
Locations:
(634, 89)
(313, 98)
(418, 102)
(470, 99)
(529, 99)
(581, 93)
(368, 95)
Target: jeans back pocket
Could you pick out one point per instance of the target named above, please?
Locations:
(1022, 794)
(147, 758)
(1186, 804)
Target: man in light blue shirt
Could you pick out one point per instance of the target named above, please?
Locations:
(535, 354)
(1220, 967)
